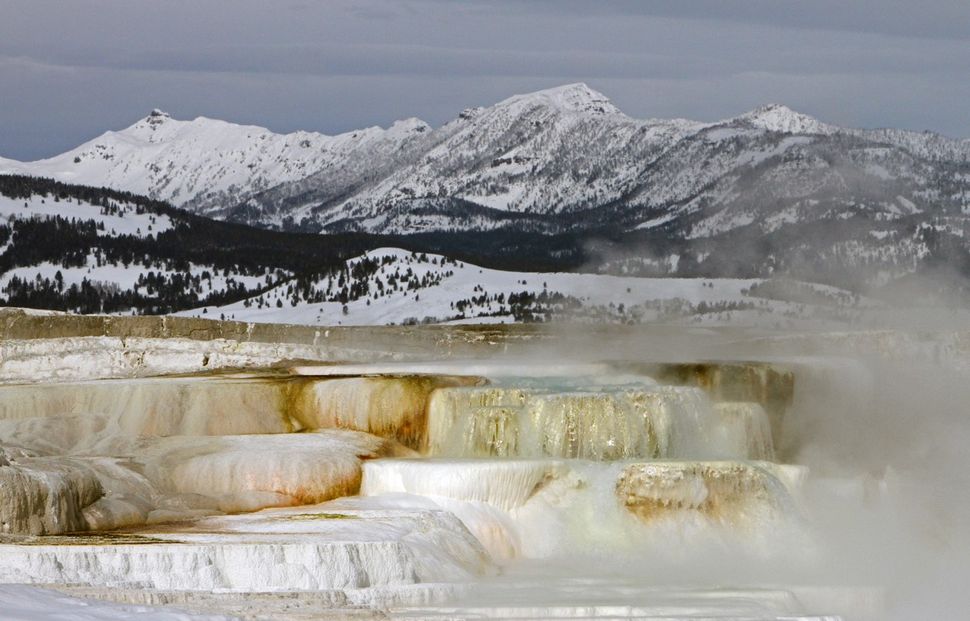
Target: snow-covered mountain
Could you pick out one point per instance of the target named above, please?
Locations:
(769, 192)
(562, 159)
(205, 165)
(521, 163)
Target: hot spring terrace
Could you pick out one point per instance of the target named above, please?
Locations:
(280, 472)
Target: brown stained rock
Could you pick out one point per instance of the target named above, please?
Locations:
(45, 496)
(389, 407)
(729, 493)
(770, 386)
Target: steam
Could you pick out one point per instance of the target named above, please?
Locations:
(886, 442)
(879, 420)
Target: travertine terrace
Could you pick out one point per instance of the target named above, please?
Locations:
(264, 471)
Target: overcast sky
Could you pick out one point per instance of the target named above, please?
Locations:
(70, 69)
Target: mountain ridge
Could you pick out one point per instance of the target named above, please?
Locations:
(556, 160)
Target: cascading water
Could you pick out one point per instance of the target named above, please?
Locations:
(599, 426)
(770, 386)
(746, 430)
(474, 421)
(605, 424)
(560, 466)
(491, 431)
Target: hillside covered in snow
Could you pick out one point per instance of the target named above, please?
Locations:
(205, 164)
(560, 160)
(393, 286)
(90, 250)
(87, 250)
(561, 179)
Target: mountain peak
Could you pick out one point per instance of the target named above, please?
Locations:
(409, 125)
(576, 97)
(780, 118)
(156, 117)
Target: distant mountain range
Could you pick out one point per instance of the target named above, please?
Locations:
(769, 192)
(555, 160)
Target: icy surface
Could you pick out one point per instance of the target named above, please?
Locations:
(605, 476)
(740, 494)
(388, 407)
(84, 417)
(102, 357)
(505, 484)
(531, 593)
(557, 508)
(254, 471)
(123, 453)
(75, 417)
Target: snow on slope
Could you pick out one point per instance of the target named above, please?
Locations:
(127, 277)
(408, 287)
(113, 219)
(779, 118)
(123, 219)
(202, 163)
(549, 161)
(558, 154)
(555, 151)
(576, 97)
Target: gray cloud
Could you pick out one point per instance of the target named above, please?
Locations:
(71, 70)
(927, 19)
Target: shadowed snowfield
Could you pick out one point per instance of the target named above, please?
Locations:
(176, 468)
